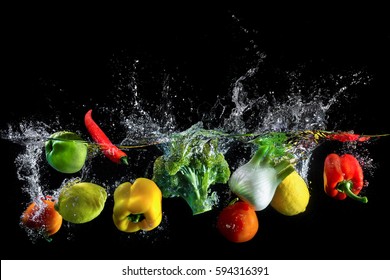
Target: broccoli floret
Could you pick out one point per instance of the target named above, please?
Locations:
(188, 167)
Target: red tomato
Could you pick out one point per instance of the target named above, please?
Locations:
(238, 222)
(42, 216)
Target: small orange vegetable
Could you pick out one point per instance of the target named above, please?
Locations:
(42, 216)
(238, 222)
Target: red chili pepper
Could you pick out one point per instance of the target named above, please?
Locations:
(343, 176)
(348, 137)
(109, 150)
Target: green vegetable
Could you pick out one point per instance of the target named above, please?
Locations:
(256, 181)
(81, 202)
(191, 163)
(66, 151)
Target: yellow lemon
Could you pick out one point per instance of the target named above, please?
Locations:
(291, 196)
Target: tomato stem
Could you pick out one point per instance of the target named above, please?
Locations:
(233, 201)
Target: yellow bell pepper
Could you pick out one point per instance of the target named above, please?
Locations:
(137, 206)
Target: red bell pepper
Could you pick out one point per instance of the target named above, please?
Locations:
(343, 176)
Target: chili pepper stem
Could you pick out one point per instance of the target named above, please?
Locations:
(124, 161)
(345, 186)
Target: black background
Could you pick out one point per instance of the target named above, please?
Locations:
(72, 49)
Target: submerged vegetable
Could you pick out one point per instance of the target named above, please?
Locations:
(81, 202)
(42, 216)
(343, 177)
(238, 222)
(109, 150)
(191, 163)
(66, 151)
(291, 196)
(256, 181)
(137, 206)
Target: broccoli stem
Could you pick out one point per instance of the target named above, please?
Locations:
(192, 178)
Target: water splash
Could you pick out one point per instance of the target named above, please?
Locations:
(248, 108)
(30, 136)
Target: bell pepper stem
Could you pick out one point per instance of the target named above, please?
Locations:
(135, 218)
(346, 186)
